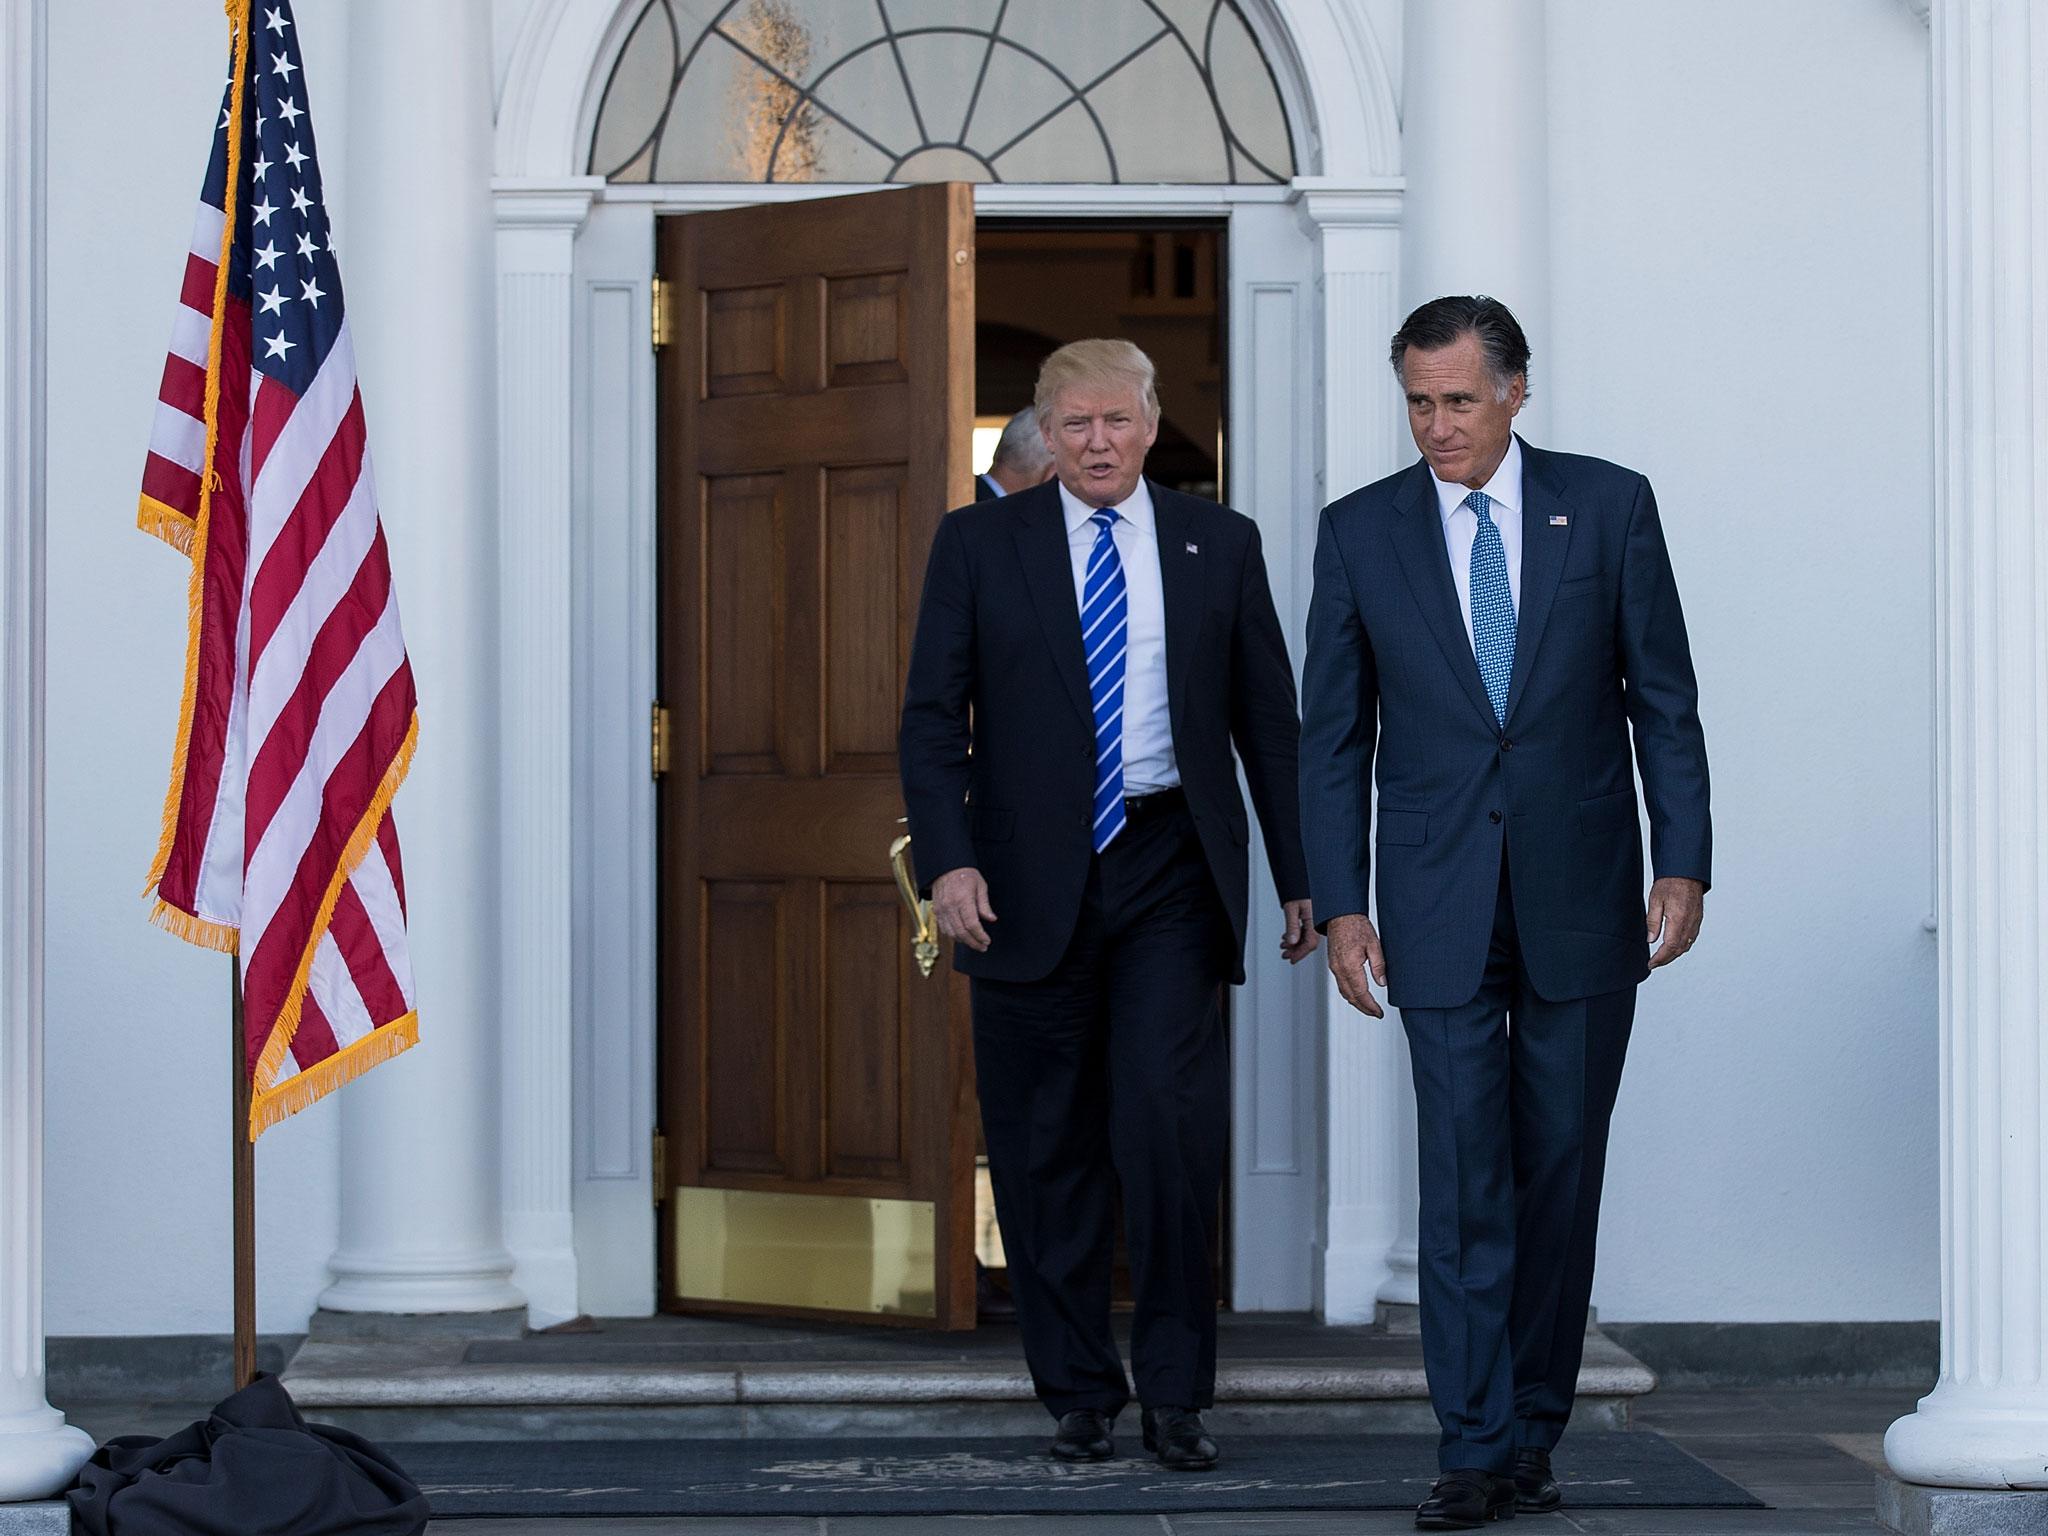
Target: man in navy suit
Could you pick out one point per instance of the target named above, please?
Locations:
(1088, 653)
(1489, 628)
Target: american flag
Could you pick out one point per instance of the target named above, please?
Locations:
(298, 719)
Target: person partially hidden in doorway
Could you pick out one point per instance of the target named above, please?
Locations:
(1021, 460)
(1087, 654)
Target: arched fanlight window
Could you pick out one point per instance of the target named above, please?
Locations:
(942, 90)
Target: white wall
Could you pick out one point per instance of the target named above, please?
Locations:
(1741, 307)
(138, 1033)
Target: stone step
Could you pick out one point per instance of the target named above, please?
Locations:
(650, 1382)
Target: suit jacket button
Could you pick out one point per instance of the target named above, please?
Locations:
(1494, 817)
(1506, 745)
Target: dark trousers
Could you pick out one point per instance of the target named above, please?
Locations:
(1114, 1070)
(1513, 1095)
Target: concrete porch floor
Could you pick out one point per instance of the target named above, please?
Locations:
(1812, 1454)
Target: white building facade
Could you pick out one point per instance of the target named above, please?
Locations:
(1718, 225)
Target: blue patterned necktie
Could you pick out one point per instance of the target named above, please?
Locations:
(1105, 626)
(1493, 607)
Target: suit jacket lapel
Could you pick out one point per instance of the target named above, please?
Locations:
(1419, 544)
(1544, 546)
(1040, 532)
(1182, 581)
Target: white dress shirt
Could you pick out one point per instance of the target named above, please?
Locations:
(1148, 727)
(993, 484)
(1461, 526)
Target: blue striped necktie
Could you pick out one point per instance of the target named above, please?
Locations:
(1493, 607)
(1105, 626)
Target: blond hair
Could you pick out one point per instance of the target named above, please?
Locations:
(1100, 361)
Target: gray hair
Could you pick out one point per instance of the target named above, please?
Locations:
(1022, 445)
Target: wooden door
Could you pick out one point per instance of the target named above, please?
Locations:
(816, 410)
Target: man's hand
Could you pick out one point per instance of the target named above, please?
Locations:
(960, 903)
(1355, 945)
(1677, 906)
(1300, 939)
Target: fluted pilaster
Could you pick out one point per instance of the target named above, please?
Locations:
(537, 227)
(39, 1453)
(1985, 1425)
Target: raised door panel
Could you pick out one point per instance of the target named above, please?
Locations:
(816, 409)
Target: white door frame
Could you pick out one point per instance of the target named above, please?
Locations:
(1316, 1170)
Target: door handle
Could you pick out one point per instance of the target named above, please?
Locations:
(924, 941)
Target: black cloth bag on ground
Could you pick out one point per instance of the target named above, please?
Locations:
(252, 1467)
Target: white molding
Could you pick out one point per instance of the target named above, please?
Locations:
(615, 847)
(537, 225)
(1335, 76)
(1276, 1172)
(1985, 1425)
(1338, 89)
(39, 1452)
(1367, 1105)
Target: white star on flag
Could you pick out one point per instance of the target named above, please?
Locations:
(306, 245)
(273, 301)
(263, 210)
(289, 111)
(281, 64)
(294, 156)
(314, 292)
(300, 202)
(275, 21)
(266, 256)
(277, 346)
(260, 166)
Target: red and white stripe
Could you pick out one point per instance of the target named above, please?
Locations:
(278, 838)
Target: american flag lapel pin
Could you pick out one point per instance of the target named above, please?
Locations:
(1560, 522)
(1194, 549)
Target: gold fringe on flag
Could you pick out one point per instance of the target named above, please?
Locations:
(225, 937)
(195, 592)
(323, 1077)
(287, 1024)
(166, 522)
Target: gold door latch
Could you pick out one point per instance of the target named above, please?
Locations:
(660, 731)
(924, 942)
(662, 313)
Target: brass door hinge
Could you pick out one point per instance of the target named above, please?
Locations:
(660, 732)
(660, 1160)
(664, 313)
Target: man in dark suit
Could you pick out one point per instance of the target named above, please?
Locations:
(1099, 643)
(1021, 459)
(1488, 629)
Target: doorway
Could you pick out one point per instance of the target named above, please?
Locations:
(1162, 285)
(819, 1147)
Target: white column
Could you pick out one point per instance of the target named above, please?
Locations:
(1369, 1104)
(536, 240)
(1985, 1425)
(1475, 150)
(39, 1452)
(421, 1228)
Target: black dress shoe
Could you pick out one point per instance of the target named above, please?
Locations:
(1083, 1435)
(1536, 1491)
(1176, 1437)
(1464, 1499)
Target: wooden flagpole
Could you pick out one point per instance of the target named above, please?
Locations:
(245, 1201)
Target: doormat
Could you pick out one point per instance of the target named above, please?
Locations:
(1600, 1470)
